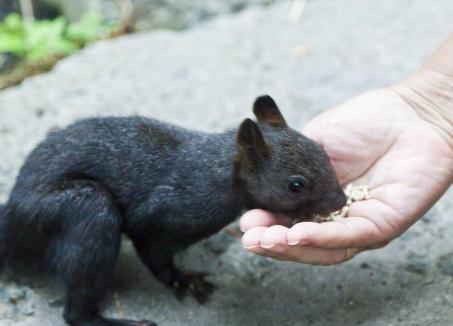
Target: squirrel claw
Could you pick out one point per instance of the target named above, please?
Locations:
(193, 284)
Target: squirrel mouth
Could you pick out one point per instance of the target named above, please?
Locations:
(300, 215)
(302, 218)
(307, 215)
(304, 213)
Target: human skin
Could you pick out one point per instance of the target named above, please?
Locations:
(398, 141)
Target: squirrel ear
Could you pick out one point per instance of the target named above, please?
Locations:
(267, 111)
(251, 143)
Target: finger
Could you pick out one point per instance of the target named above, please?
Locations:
(251, 239)
(274, 236)
(318, 256)
(271, 242)
(265, 237)
(259, 239)
(346, 233)
(268, 253)
(259, 217)
(308, 255)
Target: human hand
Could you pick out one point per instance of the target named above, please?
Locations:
(380, 139)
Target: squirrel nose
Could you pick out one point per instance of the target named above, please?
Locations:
(334, 201)
(339, 200)
(330, 202)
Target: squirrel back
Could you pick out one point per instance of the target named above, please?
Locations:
(263, 164)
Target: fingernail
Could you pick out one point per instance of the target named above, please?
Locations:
(265, 246)
(293, 243)
(250, 247)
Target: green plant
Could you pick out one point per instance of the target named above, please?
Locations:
(41, 39)
(90, 28)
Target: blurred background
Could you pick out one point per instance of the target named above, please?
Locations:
(200, 64)
(52, 29)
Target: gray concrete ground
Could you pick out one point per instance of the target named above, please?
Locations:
(206, 78)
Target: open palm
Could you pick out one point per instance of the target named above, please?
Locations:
(375, 139)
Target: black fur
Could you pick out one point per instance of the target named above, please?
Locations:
(164, 186)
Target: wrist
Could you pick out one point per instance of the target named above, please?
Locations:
(430, 93)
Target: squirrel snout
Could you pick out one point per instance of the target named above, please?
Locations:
(339, 200)
(331, 202)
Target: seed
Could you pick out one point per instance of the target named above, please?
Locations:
(353, 194)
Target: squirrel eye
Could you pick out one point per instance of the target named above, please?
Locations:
(296, 185)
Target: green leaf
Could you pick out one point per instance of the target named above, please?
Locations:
(89, 28)
(42, 39)
(12, 44)
(12, 35)
(13, 23)
(47, 38)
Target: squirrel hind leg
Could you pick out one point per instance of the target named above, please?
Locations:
(86, 250)
(183, 283)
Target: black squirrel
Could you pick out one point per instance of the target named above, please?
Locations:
(163, 186)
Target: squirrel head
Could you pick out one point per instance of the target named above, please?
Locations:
(282, 170)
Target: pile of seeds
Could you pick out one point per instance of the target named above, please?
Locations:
(354, 194)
